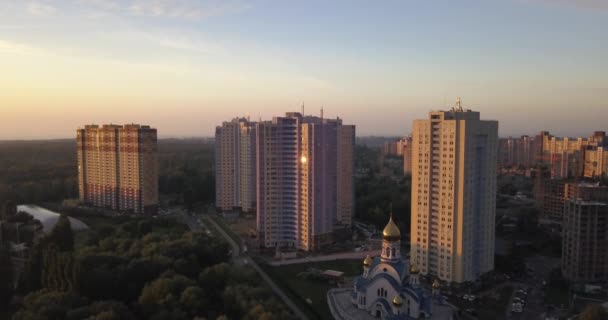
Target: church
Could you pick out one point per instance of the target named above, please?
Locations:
(388, 289)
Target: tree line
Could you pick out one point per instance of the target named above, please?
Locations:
(138, 268)
(35, 172)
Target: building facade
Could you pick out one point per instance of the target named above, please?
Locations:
(596, 156)
(550, 200)
(563, 156)
(305, 187)
(454, 160)
(235, 169)
(118, 167)
(516, 152)
(585, 233)
(407, 156)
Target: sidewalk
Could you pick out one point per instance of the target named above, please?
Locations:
(330, 257)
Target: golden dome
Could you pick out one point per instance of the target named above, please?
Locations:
(414, 268)
(368, 261)
(436, 284)
(397, 300)
(391, 232)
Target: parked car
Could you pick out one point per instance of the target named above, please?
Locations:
(471, 311)
(517, 307)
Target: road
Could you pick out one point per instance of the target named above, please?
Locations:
(236, 249)
(236, 257)
(330, 257)
(277, 290)
(535, 307)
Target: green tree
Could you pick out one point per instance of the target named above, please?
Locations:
(48, 305)
(111, 310)
(9, 209)
(166, 290)
(31, 277)
(6, 275)
(193, 300)
(58, 270)
(62, 234)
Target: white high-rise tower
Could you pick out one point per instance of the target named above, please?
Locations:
(454, 194)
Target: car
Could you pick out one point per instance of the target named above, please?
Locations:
(471, 311)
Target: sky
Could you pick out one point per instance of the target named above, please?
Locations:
(184, 66)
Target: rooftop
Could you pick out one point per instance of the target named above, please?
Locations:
(49, 218)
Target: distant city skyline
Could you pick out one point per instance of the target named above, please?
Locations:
(183, 66)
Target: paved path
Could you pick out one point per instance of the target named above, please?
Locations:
(235, 255)
(331, 257)
(277, 290)
(236, 249)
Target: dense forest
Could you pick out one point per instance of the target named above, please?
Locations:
(38, 171)
(46, 171)
(137, 268)
(141, 268)
(378, 190)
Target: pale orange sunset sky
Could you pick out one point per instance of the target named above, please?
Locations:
(184, 66)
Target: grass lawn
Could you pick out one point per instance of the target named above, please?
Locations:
(316, 291)
(556, 296)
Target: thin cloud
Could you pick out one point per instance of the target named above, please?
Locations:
(187, 44)
(18, 48)
(186, 9)
(108, 5)
(40, 9)
(174, 9)
(595, 5)
(166, 39)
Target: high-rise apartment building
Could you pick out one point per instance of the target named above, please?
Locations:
(516, 152)
(394, 147)
(407, 156)
(305, 187)
(454, 160)
(118, 167)
(585, 233)
(235, 165)
(596, 156)
(563, 156)
(550, 198)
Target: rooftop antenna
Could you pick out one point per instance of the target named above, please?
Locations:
(321, 112)
(458, 107)
(302, 108)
